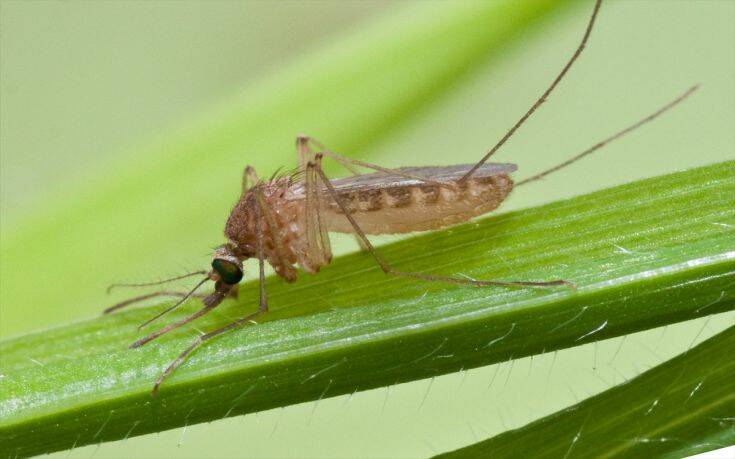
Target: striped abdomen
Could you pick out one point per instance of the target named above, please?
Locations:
(416, 207)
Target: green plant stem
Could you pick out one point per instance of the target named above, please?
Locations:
(649, 253)
(680, 408)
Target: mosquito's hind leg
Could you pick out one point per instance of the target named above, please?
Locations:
(316, 164)
(543, 97)
(612, 138)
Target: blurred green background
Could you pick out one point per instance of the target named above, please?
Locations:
(87, 88)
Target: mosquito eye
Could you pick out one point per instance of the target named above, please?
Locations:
(229, 272)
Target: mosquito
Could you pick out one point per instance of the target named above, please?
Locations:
(285, 220)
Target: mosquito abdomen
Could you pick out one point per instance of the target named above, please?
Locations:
(421, 207)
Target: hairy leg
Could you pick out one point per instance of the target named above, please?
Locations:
(140, 298)
(612, 138)
(543, 97)
(172, 326)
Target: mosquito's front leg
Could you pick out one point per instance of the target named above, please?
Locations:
(262, 308)
(137, 299)
(316, 164)
(199, 341)
(173, 326)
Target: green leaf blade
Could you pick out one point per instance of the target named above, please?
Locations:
(680, 408)
(645, 254)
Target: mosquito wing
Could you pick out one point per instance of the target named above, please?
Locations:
(380, 201)
(381, 180)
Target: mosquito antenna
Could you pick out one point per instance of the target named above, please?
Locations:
(148, 284)
(541, 99)
(176, 305)
(613, 137)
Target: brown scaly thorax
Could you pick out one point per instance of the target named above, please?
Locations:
(283, 249)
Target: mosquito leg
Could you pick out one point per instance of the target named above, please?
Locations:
(267, 215)
(306, 154)
(543, 97)
(262, 308)
(361, 243)
(148, 284)
(198, 342)
(318, 251)
(137, 299)
(612, 138)
(260, 252)
(173, 326)
(429, 277)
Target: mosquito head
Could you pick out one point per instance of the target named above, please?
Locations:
(226, 266)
